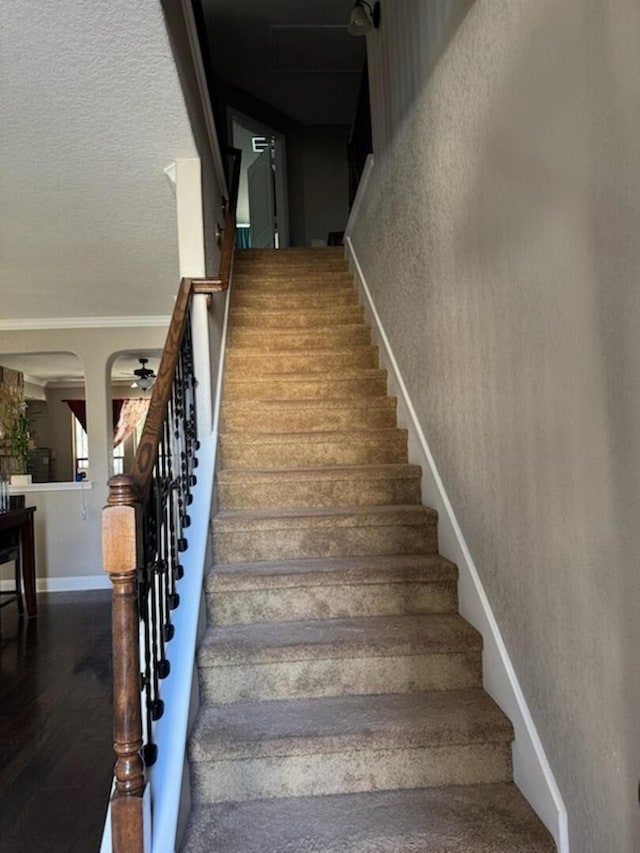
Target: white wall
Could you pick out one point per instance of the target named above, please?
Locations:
(499, 238)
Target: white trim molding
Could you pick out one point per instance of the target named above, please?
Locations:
(45, 323)
(532, 772)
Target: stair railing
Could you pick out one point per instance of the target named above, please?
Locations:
(143, 537)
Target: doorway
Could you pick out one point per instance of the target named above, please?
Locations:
(263, 211)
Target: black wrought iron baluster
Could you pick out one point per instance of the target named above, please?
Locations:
(145, 598)
(157, 705)
(163, 573)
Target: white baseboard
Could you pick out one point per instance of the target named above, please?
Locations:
(532, 772)
(65, 584)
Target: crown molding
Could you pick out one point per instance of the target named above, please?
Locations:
(42, 323)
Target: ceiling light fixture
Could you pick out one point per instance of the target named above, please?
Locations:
(363, 18)
(145, 377)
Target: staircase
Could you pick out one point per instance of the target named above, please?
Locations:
(342, 701)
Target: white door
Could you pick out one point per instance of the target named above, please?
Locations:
(261, 207)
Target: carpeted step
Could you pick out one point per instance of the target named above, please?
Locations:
(343, 385)
(340, 485)
(338, 588)
(306, 450)
(258, 299)
(245, 362)
(293, 267)
(338, 337)
(290, 534)
(277, 287)
(337, 657)
(345, 744)
(316, 256)
(310, 415)
(489, 818)
(296, 318)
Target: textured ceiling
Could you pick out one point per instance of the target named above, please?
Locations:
(311, 73)
(91, 113)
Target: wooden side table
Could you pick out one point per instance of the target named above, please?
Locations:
(20, 522)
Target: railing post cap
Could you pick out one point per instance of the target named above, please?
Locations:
(122, 490)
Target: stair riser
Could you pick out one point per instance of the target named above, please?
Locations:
(322, 493)
(294, 544)
(251, 318)
(298, 266)
(291, 284)
(350, 771)
(237, 453)
(239, 365)
(339, 677)
(307, 417)
(339, 337)
(324, 299)
(302, 389)
(330, 602)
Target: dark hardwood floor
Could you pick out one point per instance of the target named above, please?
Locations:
(55, 724)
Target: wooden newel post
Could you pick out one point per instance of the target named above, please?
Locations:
(120, 527)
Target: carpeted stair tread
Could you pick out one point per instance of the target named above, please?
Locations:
(281, 574)
(285, 438)
(306, 414)
(324, 588)
(362, 383)
(252, 362)
(322, 517)
(386, 445)
(295, 267)
(299, 339)
(373, 636)
(279, 285)
(289, 300)
(339, 375)
(316, 474)
(490, 818)
(321, 486)
(296, 318)
(336, 723)
(305, 532)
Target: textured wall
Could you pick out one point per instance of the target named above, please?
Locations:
(499, 236)
(92, 112)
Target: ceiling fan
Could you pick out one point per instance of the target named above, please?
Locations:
(145, 377)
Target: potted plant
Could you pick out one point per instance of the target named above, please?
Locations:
(19, 438)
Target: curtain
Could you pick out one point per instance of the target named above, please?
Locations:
(126, 415)
(79, 409)
(131, 414)
(243, 237)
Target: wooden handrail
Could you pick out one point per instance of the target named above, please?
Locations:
(229, 232)
(148, 446)
(142, 538)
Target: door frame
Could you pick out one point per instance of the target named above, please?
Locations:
(282, 195)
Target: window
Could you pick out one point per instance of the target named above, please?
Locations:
(118, 459)
(80, 449)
